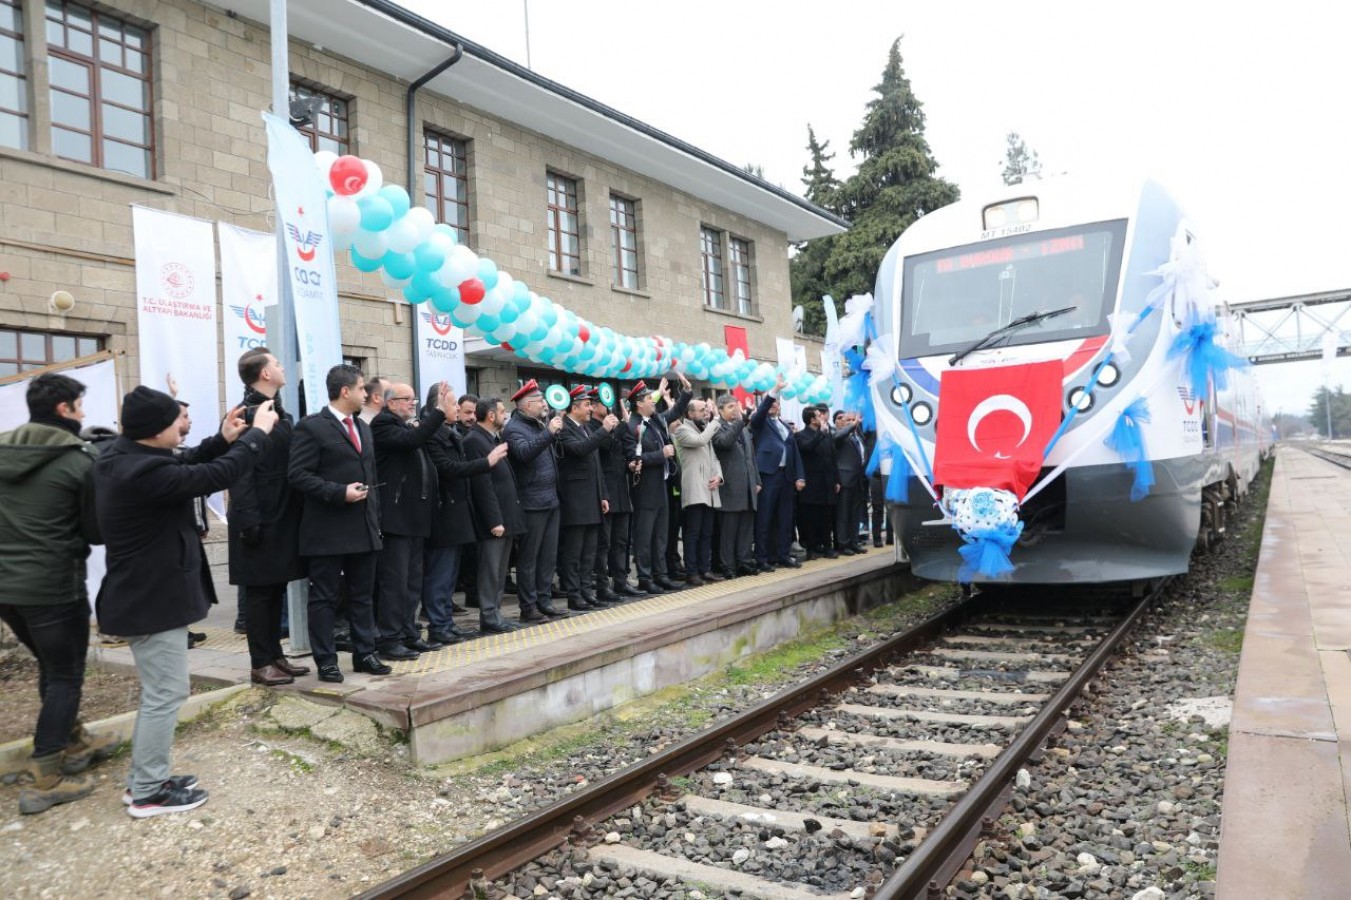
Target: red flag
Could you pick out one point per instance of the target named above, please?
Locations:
(994, 424)
(735, 338)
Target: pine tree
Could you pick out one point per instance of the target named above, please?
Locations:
(1341, 413)
(895, 183)
(822, 185)
(806, 269)
(1020, 163)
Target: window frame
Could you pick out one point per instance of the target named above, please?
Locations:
(95, 65)
(626, 210)
(710, 239)
(741, 261)
(437, 201)
(342, 142)
(21, 77)
(569, 188)
(22, 363)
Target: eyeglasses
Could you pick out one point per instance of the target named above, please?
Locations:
(402, 399)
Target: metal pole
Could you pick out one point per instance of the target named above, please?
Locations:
(281, 319)
(526, 4)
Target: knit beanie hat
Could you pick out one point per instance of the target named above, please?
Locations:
(146, 412)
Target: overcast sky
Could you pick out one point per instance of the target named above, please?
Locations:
(1243, 115)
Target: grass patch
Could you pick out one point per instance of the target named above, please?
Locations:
(1226, 640)
(299, 763)
(1218, 742)
(1195, 871)
(1237, 584)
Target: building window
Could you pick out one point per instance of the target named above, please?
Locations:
(740, 258)
(13, 82)
(624, 241)
(23, 351)
(710, 248)
(446, 182)
(327, 130)
(565, 242)
(99, 69)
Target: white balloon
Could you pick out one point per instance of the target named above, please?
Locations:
(323, 161)
(402, 236)
(370, 244)
(344, 216)
(527, 322)
(491, 304)
(422, 221)
(461, 265)
(505, 332)
(375, 179)
(506, 285)
(393, 283)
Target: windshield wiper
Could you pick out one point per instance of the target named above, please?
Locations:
(1004, 331)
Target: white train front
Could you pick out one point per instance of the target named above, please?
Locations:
(1104, 286)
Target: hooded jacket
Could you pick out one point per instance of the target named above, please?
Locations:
(47, 519)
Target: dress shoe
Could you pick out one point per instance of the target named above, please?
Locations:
(790, 562)
(420, 646)
(531, 615)
(269, 675)
(343, 641)
(877, 542)
(676, 573)
(665, 584)
(712, 577)
(396, 651)
(765, 567)
(195, 638)
(331, 673)
(240, 627)
(371, 665)
(456, 609)
(859, 548)
(501, 626)
(558, 594)
(445, 638)
(286, 666)
(554, 612)
(693, 581)
(848, 551)
(831, 554)
(605, 595)
(648, 587)
(580, 605)
(624, 589)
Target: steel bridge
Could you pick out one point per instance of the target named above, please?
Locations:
(1285, 329)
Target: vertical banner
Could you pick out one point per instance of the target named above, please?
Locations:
(440, 349)
(790, 409)
(307, 270)
(176, 314)
(830, 355)
(735, 338)
(248, 285)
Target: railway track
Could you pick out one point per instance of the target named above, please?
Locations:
(863, 782)
(1332, 456)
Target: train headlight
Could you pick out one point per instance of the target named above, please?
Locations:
(922, 413)
(1013, 212)
(901, 394)
(1109, 375)
(1080, 399)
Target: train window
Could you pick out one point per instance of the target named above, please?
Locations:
(956, 296)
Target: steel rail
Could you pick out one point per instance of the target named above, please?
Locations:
(931, 866)
(517, 843)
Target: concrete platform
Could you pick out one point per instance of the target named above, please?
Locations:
(492, 691)
(1286, 830)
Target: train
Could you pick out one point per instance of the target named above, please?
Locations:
(1062, 365)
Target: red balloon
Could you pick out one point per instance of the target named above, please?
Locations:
(506, 345)
(628, 363)
(348, 175)
(471, 290)
(583, 332)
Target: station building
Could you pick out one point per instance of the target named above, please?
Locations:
(157, 103)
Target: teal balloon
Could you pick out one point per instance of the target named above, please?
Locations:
(429, 256)
(397, 198)
(425, 283)
(545, 355)
(540, 333)
(400, 265)
(376, 213)
(413, 295)
(487, 324)
(521, 294)
(447, 300)
(509, 313)
(487, 273)
(443, 228)
(365, 263)
(550, 315)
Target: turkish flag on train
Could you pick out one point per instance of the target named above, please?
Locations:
(994, 424)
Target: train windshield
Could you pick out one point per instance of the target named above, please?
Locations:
(956, 296)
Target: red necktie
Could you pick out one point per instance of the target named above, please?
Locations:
(352, 433)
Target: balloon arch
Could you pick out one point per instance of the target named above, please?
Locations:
(383, 232)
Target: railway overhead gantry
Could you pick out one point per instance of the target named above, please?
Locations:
(1286, 329)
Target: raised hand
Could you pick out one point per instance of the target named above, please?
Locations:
(610, 422)
(233, 425)
(496, 455)
(779, 382)
(555, 425)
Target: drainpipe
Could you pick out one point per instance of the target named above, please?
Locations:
(414, 179)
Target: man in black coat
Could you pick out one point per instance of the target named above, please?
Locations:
(531, 444)
(407, 506)
(740, 487)
(816, 502)
(584, 500)
(443, 554)
(617, 462)
(264, 526)
(333, 465)
(498, 517)
(650, 492)
(156, 584)
(780, 468)
(850, 462)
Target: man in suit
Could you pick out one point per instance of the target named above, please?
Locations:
(584, 500)
(816, 502)
(156, 584)
(850, 461)
(780, 468)
(498, 517)
(739, 491)
(700, 479)
(333, 465)
(468, 579)
(407, 506)
(655, 451)
(618, 462)
(531, 442)
(375, 399)
(264, 526)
